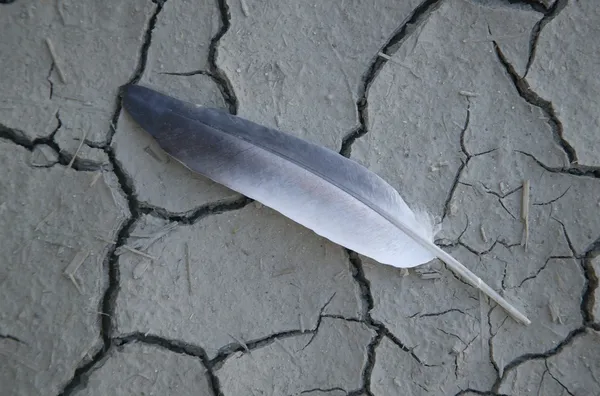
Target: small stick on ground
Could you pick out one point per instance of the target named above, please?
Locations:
(242, 343)
(69, 272)
(76, 262)
(286, 349)
(72, 278)
(244, 7)
(341, 274)
(129, 248)
(187, 266)
(384, 56)
(468, 94)
(525, 214)
(390, 59)
(96, 178)
(481, 323)
(132, 250)
(56, 61)
(139, 269)
(430, 275)
(61, 12)
(45, 219)
(78, 148)
(483, 235)
(466, 274)
(554, 313)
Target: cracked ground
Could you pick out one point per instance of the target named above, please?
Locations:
(123, 273)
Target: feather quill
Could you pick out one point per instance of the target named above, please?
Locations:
(318, 188)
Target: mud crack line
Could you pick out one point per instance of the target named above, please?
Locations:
(538, 356)
(534, 99)
(549, 14)
(107, 304)
(380, 329)
(215, 72)
(193, 216)
(417, 17)
(19, 138)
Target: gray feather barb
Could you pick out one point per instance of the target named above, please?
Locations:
(318, 188)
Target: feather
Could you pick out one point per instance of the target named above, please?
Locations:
(318, 188)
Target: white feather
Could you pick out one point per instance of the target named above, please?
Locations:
(334, 196)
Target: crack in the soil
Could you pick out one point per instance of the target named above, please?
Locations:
(144, 49)
(573, 170)
(591, 278)
(463, 164)
(369, 366)
(175, 346)
(327, 390)
(491, 345)
(588, 299)
(549, 15)
(110, 295)
(380, 329)
(441, 313)
(567, 237)
(418, 16)
(12, 338)
(52, 65)
(193, 216)
(479, 392)
(81, 374)
(552, 200)
(491, 192)
(319, 320)
(535, 5)
(189, 74)
(19, 138)
(542, 377)
(342, 317)
(556, 379)
(531, 97)
(543, 267)
(227, 351)
(494, 193)
(537, 356)
(451, 335)
(506, 209)
(216, 73)
(218, 76)
(138, 72)
(108, 302)
(127, 186)
(364, 285)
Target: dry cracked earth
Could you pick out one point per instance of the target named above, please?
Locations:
(123, 273)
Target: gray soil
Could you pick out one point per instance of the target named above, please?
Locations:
(122, 272)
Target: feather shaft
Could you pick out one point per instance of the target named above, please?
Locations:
(334, 196)
(466, 274)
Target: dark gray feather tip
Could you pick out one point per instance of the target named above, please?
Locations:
(146, 106)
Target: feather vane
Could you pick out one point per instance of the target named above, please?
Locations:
(318, 188)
